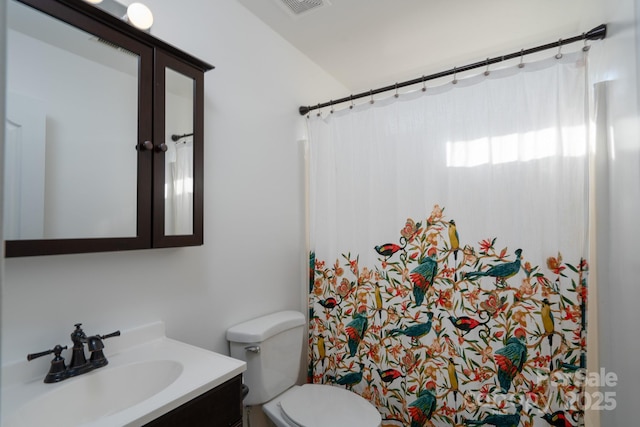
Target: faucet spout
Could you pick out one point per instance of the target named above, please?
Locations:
(79, 364)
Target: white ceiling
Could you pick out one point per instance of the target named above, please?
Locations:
(367, 44)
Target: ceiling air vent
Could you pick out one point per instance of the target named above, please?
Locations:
(298, 7)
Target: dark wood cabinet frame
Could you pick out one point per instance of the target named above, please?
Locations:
(155, 55)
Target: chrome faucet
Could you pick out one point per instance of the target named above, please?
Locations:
(79, 363)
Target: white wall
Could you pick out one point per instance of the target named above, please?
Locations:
(3, 41)
(253, 259)
(618, 62)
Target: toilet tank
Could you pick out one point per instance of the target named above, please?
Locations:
(271, 346)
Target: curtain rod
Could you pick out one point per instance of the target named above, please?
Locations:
(177, 138)
(597, 33)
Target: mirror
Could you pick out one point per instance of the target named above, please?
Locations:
(104, 134)
(72, 129)
(179, 102)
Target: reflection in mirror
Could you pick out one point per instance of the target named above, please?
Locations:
(72, 128)
(179, 155)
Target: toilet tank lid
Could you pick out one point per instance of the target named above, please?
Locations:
(261, 328)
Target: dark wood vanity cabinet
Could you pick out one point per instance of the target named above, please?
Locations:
(219, 407)
(164, 106)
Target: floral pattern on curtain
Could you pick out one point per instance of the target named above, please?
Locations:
(476, 315)
(450, 332)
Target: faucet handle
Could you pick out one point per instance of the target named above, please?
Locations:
(78, 336)
(57, 370)
(111, 335)
(57, 350)
(96, 346)
(94, 342)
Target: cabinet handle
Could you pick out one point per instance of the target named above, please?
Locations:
(147, 145)
(162, 147)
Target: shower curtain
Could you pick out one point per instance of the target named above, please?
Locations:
(448, 265)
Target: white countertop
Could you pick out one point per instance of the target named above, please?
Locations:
(202, 370)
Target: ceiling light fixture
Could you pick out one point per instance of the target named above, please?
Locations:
(136, 14)
(139, 16)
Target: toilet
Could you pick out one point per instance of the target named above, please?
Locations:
(272, 347)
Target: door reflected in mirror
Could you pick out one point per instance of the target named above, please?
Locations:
(179, 114)
(72, 129)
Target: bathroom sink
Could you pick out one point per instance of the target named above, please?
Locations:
(99, 393)
(147, 376)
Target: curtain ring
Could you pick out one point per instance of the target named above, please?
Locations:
(331, 106)
(559, 54)
(586, 47)
(521, 64)
(397, 94)
(371, 101)
(455, 79)
(487, 72)
(319, 111)
(424, 84)
(351, 98)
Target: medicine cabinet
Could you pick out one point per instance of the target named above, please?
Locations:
(104, 134)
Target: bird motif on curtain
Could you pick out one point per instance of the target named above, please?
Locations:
(423, 276)
(355, 330)
(511, 359)
(498, 420)
(407, 333)
(501, 272)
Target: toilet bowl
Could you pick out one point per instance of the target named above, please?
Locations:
(316, 405)
(272, 346)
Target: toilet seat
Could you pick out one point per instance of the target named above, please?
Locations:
(316, 405)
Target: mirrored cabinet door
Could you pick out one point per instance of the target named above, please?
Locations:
(178, 203)
(78, 107)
